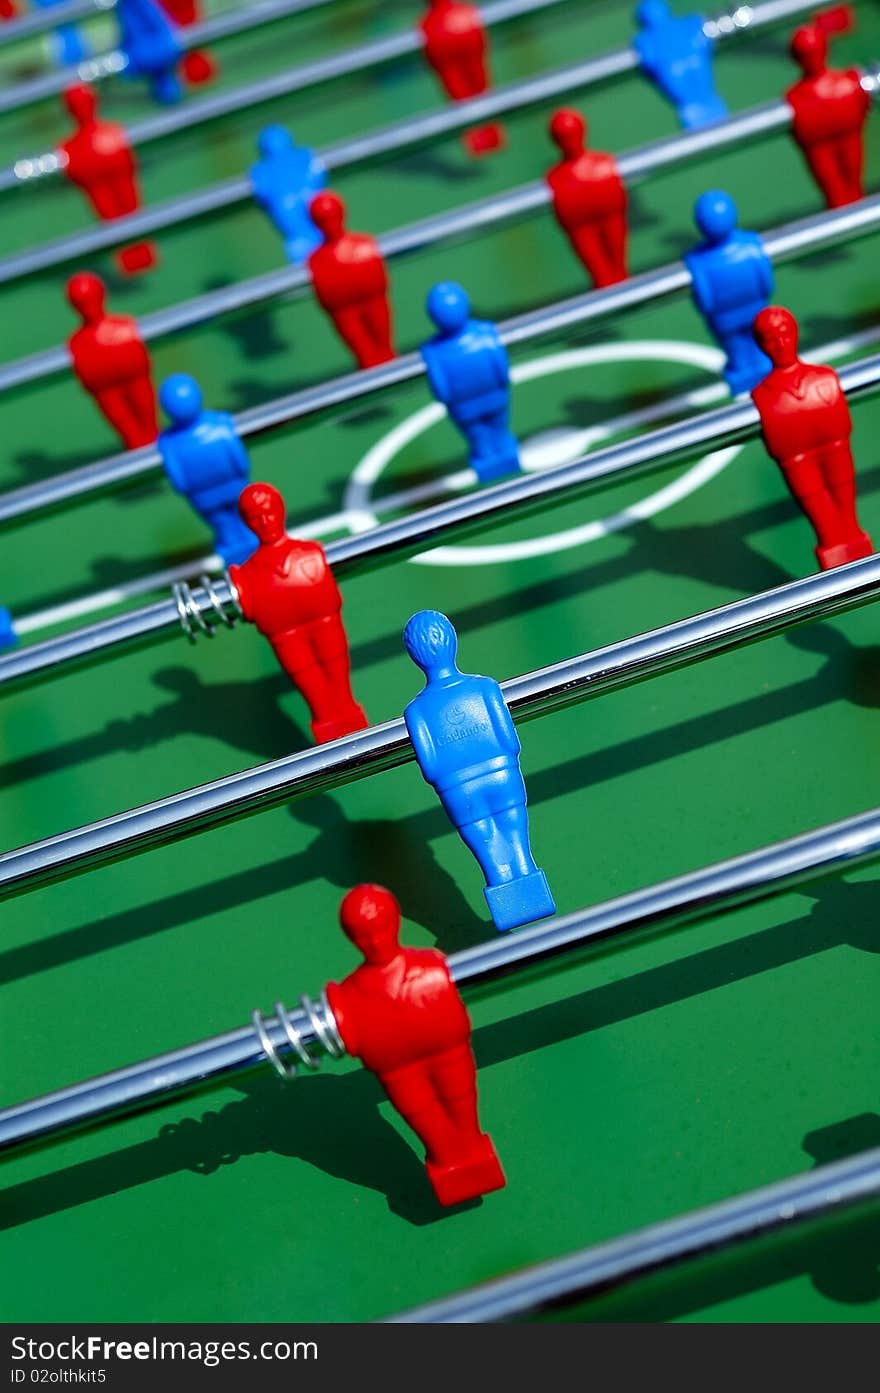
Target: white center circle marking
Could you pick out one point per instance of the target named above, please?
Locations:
(546, 449)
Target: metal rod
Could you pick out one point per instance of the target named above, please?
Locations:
(408, 536)
(745, 19)
(715, 889)
(352, 60)
(40, 21)
(467, 219)
(824, 229)
(387, 746)
(788, 1203)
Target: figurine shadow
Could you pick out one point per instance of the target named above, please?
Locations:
(839, 1254)
(440, 167)
(253, 331)
(332, 1122)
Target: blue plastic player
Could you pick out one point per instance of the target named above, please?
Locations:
(149, 40)
(675, 53)
(8, 636)
(468, 749)
(69, 46)
(284, 182)
(469, 373)
(732, 280)
(206, 462)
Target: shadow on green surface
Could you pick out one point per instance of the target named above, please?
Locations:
(839, 1255)
(331, 1120)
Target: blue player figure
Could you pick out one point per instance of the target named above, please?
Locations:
(732, 281)
(468, 749)
(69, 46)
(284, 182)
(206, 461)
(469, 373)
(149, 40)
(676, 54)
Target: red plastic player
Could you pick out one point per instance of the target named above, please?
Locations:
(8, 9)
(101, 162)
(455, 47)
(287, 589)
(112, 363)
(401, 1014)
(589, 200)
(197, 66)
(806, 426)
(351, 283)
(830, 109)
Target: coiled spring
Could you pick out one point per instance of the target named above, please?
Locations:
(320, 1018)
(195, 620)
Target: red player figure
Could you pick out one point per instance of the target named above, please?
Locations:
(455, 47)
(287, 589)
(401, 1014)
(8, 10)
(351, 283)
(101, 162)
(197, 66)
(806, 426)
(830, 107)
(589, 200)
(112, 363)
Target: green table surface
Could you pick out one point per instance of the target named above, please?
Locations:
(626, 1088)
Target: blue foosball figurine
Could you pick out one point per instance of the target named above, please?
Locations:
(468, 749)
(206, 461)
(676, 54)
(285, 179)
(732, 281)
(468, 371)
(69, 46)
(149, 40)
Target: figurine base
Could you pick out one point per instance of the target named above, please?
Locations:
(483, 139)
(855, 549)
(198, 67)
(334, 730)
(139, 257)
(500, 468)
(519, 901)
(479, 1175)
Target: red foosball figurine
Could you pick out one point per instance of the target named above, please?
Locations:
(830, 108)
(197, 65)
(401, 1014)
(288, 590)
(351, 283)
(806, 426)
(100, 161)
(455, 47)
(8, 10)
(112, 363)
(589, 200)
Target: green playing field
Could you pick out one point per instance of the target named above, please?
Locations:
(626, 1088)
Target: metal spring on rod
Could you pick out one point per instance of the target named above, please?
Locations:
(324, 1026)
(193, 620)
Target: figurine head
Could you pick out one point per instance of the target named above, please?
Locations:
(652, 13)
(809, 49)
(448, 305)
(327, 212)
(274, 140)
(262, 510)
(86, 293)
(370, 917)
(431, 641)
(568, 130)
(776, 332)
(82, 103)
(181, 398)
(715, 215)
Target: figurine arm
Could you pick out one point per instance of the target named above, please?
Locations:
(502, 722)
(170, 462)
(436, 377)
(423, 743)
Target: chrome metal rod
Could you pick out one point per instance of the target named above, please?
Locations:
(251, 94)
(714, 889)
(746, 19)
(408, 536)
(41, 21)
(387, 746)
(788, 1203)
(468, 219)
(782, 243)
